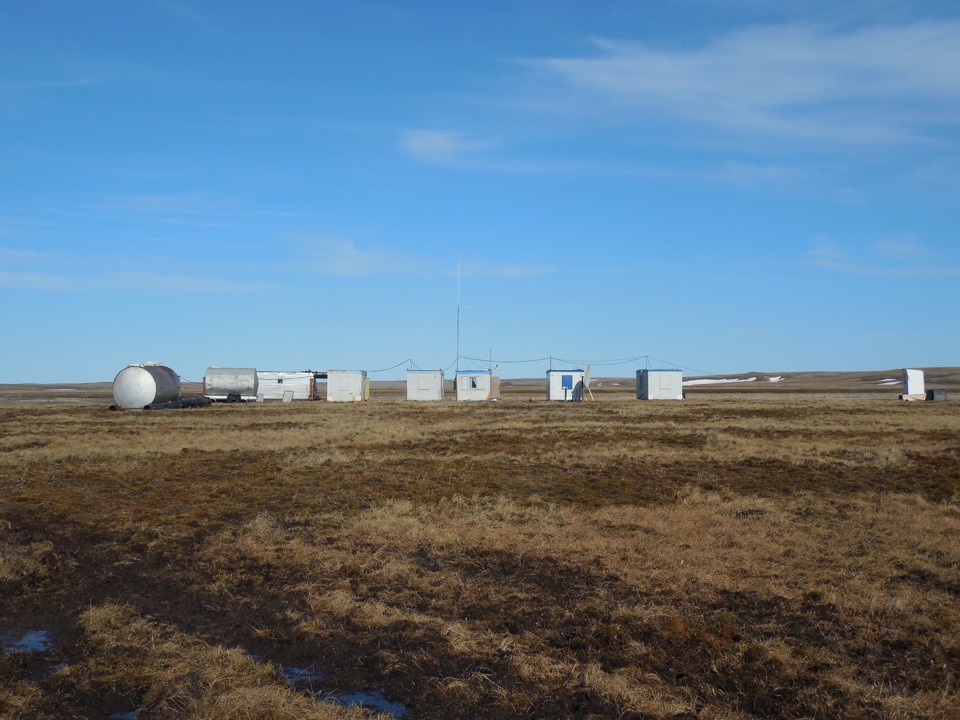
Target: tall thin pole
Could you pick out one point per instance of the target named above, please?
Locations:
(458, 316)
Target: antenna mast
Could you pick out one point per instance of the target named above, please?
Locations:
(458, 316)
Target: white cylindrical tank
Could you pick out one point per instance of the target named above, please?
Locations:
(137, 386)
(224, 383)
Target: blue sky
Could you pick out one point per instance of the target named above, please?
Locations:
(729, 186)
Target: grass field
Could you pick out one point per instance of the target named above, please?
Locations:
(744, 555)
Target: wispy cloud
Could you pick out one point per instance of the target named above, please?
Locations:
(480, 268)
(10, 86)
(440, 147)
(186, 13)
(886, 258)
(126, 282)
(342, 256)
(9, 256)
(874, 85)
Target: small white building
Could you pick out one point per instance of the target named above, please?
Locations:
(425, 385)
(231, 384)
(659, 385)
(913, 385)
(474, 385)
(286, 385)
(347, 386)
(565, 385)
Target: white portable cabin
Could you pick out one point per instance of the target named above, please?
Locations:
(230, 384)
(659, 385)
(474, 385)
(913, 385)
(286, 385)
(347, 386)
(565, 385)
(425, 385)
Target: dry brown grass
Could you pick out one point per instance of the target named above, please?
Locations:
(724, 557)
(176, 675)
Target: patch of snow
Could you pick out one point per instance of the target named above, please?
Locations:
(717, 381)
(776, 378)
(889, 381)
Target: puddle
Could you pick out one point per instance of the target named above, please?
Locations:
(124, 715)
(303, 676)
(305, 679)
(370, 700)
(20, 641)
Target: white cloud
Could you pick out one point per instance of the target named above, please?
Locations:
(480, 268)
(439, 147)
(10, 257)
(34, 281)
(13, 86)
(875, 85)
(882, 259)
(341, 256)
(125, 282)
(905, 250)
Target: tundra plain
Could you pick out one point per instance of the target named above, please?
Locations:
(735, 555)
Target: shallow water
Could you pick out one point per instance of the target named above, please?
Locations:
(372, 700)
(25, 641)
(304, 678)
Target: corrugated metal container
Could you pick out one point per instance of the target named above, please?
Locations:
(565, 385)
(221, 383)
(937, 395)
(425, 385)
(347, 386)
(278, 384)
(659, 385)
(138, 386)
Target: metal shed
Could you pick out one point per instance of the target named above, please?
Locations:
(230, 384)
(347, 386)
(473, 385)
(425, 385)
(659, 385)
(286, 385)
(565, 385)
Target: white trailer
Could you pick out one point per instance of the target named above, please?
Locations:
(230, 384)
(565, 385)
(347, 386)
(913, 385)
(659, 385)
(477, 385)
(286, 385)
(425, 385)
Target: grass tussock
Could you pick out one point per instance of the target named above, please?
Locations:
(723, 557)
(175, 675)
